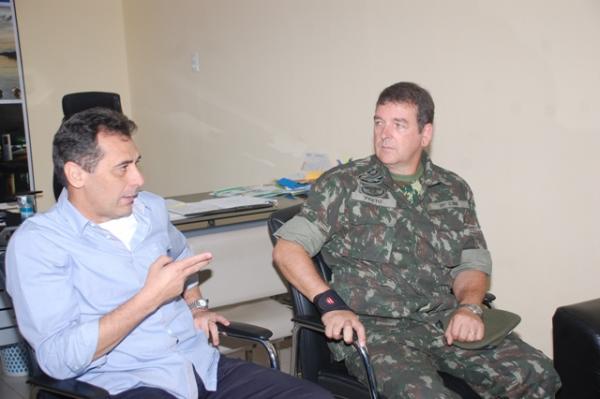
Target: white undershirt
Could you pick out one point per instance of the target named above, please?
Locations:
(122, 228)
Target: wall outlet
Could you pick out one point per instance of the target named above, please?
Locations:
(196, 62)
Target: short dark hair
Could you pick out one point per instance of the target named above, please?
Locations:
(411, 93)
(77, 138)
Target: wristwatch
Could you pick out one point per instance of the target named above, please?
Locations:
(473, 308)
(201, 303)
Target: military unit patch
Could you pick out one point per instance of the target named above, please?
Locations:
(370, 183)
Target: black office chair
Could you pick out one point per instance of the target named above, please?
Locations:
(311, 357)
(45, 387)
(576, 344)
(76, 102)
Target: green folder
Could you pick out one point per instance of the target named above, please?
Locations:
(498, 324)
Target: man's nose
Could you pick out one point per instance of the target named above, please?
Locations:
(385, 131)
(136, 178)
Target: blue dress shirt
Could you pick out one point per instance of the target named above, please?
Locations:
(64, 273)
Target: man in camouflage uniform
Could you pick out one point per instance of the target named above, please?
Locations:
(409, 265)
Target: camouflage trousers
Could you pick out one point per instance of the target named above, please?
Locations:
(406, 356)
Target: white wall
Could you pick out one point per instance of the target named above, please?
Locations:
(515, 84)
(67, 46)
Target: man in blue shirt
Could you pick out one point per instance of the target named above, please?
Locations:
(105, 288)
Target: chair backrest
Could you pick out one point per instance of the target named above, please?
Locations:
(76, 102)
(312, 346)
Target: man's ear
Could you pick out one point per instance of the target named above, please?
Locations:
(426, 135)
(75, 174)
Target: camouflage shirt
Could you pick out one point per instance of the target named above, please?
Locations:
(390, 257)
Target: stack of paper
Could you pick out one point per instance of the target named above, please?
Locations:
(296, 184)
(262, 191)
(217, 205)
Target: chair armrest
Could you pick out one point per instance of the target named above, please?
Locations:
(488, 299)
(73, 388)
(250, 332)
(315, 324)
(245, 331)
(70, 388)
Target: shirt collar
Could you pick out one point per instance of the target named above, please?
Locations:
(79, 222)
(431, 173)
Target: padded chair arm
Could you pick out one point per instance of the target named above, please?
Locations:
(245, 331)
(70, 388)
(315, 324)
(250, 332)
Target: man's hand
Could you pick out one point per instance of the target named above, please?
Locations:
(341, 324)
(206, 321)
(166, 278)
(165, 281)
(464, 326)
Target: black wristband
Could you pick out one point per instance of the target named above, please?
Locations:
(329, 300)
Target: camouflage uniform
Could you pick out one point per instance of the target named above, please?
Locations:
(394, 261)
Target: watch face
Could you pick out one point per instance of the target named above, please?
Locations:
(201, 304)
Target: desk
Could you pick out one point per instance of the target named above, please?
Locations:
(227, 218)
(241, 278)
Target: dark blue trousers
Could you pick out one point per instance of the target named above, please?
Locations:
(238, 379)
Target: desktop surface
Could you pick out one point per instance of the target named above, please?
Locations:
(223, 218)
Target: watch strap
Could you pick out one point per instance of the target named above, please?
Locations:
(476, 309)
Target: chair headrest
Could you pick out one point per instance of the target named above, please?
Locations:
(76, 102)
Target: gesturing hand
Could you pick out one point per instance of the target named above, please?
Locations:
(206, 321)
(341, 324)
(166, 278)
